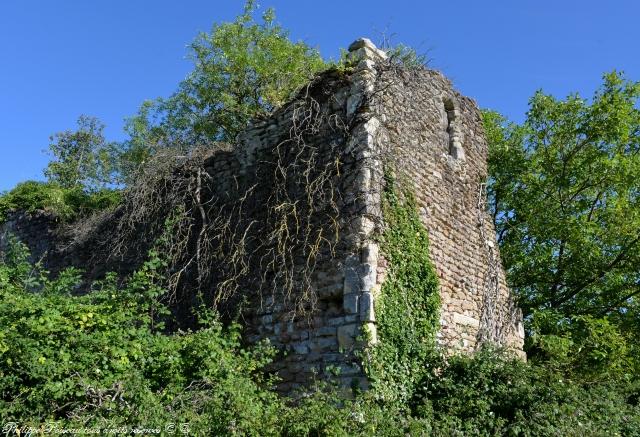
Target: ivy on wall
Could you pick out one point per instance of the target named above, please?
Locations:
(407, 311)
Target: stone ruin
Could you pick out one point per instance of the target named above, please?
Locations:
(312, 288)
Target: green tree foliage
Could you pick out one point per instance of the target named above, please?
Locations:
(242, 70)
(565, 196)
(83, 158)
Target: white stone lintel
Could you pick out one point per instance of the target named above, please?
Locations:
(461, 319)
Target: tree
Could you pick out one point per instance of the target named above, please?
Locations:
(242, 70)
(82, 158)
(564, 193)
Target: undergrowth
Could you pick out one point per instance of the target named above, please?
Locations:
(103, 361)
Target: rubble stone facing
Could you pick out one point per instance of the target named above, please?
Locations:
(434, 138)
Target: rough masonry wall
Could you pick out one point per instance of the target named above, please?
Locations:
(435, 138)
(286, 207)
(325, 128)
(38, 229)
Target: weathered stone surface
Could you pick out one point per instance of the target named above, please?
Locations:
(361, 42)
(352, 281)
(461, 319)
(366, 307)
(301, 348)
(347, 335)
(350, 302)
(325, 331)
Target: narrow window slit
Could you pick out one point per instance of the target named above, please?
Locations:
(453, 130)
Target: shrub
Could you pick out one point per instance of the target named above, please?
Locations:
(66, 203)
(102, 358)
(492, 394)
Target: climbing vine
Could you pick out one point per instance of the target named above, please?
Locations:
(408, 309)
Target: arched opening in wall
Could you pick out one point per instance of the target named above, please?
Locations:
(453, 129)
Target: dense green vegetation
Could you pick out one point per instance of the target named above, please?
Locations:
(564, 190)
(102, 360)
(408, 309)
(64, 203)
(565, 196)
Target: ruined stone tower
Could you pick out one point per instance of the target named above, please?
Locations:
(294, 211)
(434, 136)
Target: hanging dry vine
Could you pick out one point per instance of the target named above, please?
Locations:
(496, 316)
(492, 315)
(229, 234)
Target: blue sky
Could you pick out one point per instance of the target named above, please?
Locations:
(60, 59)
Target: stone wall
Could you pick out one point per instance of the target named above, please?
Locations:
(434, 137)
(299, 196)
(326, 339)
(37, 229)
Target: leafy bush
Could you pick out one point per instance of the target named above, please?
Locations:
(66, 203)
(582, 347)
(492, 394)
(101, 358)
